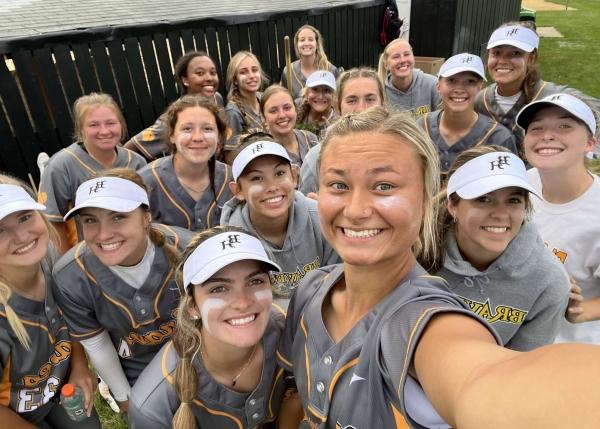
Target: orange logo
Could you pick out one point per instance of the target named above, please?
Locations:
(42, 197)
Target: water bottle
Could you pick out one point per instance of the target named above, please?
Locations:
(73, 401)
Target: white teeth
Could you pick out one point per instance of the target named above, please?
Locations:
(459, 100)
(548, 151)
(243, 321)
(365, 233)
(25, 248)
(110, 246)
(274, 200)
(496, 229)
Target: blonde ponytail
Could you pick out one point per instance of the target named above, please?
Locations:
(13, 320)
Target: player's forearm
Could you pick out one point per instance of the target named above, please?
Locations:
(12, 420)
(591, 309)
(552, 387)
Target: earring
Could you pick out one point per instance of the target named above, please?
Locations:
(186, 84)
(454, 218)
(195, 317)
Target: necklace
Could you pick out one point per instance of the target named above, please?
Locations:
(244, 368)
(189, 188)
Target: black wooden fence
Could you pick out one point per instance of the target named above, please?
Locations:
(42, 76)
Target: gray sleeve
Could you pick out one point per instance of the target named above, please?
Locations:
(151, 142)
(503, 137)
(234, 119)
(146, 415)
(436, 99)
(71, 291)
(309, 175)
(55, 191)
(545, 317)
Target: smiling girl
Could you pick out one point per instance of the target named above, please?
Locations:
(99, 127)
(308, 45)
(245, 78)
(376, 341)
(116, 288)
(492, 256)
(219, 371)
(512, 64)
(279, 111)
(189, 187)
(406, 88)
(36, 354)
(266, 203)
(456, 126)
(195, 73)
(316, 110)
(559, 133)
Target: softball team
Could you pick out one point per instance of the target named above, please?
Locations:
(189, 187)
(195, 73)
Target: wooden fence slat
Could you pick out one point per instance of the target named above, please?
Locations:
(234, 38)
(67, 73)
(85, 68)
(156, 89)
(34, 93)
(188, 40)
(164, 64)
(104, 69)
(129, 104)
(60, 110)
(175, 45)
(132, 55)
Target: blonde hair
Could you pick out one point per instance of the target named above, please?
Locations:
(304, 109)
(5, 288)
(445, 221)
(399, 124)
(321, 60)
(85, 103)
(157, 237)
(383, 58)
(357, 73)
(187, 339)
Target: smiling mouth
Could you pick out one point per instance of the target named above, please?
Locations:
(363, 233)
(110, 247)
(274, 200)
(459, 99)
(548, 151)
(243, 320)
(495, 229)
(26, 248)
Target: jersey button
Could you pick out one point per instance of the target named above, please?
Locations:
(143, 311)
(320, 387)
(255, 416)
(252, 402)
(327, 360)
(138, 298)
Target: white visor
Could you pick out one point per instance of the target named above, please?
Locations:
(110, 193)
(13, 199)
(488, 173)
(462, 63)
(254, 150)
(321, 78)
(221, 250)
(514, 35)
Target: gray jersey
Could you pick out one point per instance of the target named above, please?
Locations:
(486, 104)
(303, 250)
(31, 379)
(523, 293)
(298, 78)
(240, 120)
(421, 97)
(485, 131)
(153, 142)
(153, 401)
(306, 140)
(171, 204)
(69, 168)
(359, 381)
(309, 172)
(93, 299)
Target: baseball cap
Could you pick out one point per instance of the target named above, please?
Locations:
(221, 250)
(461, 63)
(487, 173)
(254, 150)
(13, 199)
(321, 77)
(110, 193)
(568, 102)
(514, 35)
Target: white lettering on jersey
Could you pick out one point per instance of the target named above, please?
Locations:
(355, 378)
(124, 349)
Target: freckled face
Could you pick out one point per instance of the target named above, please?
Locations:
(371, 198)
(486, 225)
(234, 304)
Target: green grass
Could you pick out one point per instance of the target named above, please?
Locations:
(108, 418)
(575, 59)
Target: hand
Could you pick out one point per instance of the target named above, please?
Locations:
(82, 376)
(575, 309)
(312, 196)
(123, 406)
